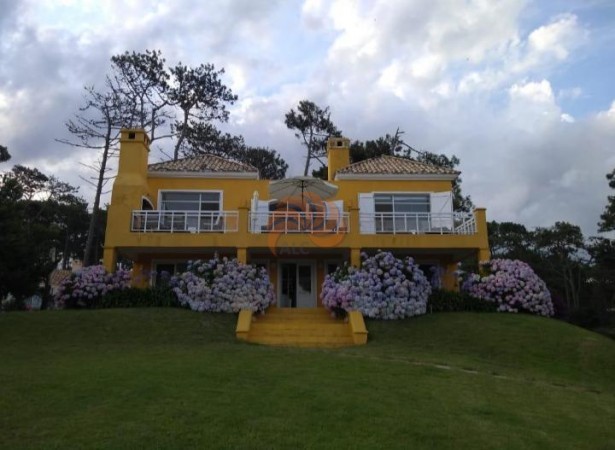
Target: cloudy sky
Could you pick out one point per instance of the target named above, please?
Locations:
(522, 92)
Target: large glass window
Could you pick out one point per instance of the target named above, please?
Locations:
(401, 212)
(190, 201)
(189, 211)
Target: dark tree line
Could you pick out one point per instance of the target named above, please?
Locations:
(579, 271)
(42, 221)
(607, 218)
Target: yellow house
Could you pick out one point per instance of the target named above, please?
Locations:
(162, 215)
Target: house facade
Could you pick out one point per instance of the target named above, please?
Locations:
(162, 215)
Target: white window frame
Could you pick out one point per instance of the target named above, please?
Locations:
(313, 274)
(192, 191)
(367, 219)
(443, 218)
(439, 220)
(428, 194)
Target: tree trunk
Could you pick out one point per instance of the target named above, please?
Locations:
(180, 138)
(153, 127)
(65, 258)
(307, 164)
(308, 158)
(89, 245)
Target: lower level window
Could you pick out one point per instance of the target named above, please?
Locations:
(164, 271)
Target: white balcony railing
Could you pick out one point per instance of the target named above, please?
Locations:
(147, 221)
(417, 223)
(287, 222)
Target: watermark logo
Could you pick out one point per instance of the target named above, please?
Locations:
(324, 224)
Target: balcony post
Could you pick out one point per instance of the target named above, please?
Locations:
(110, 258)
(449, 277)
(355, 257)
(243, 220)
(242, 255)
(483, 254)
(141, 274)
(355, 227)
(480, 217)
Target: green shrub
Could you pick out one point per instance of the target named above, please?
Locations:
(591, 317)
(449, 301)
(11, 303)
(86, 287)
(136, 297)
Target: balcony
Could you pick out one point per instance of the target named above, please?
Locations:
(299, 222)
(149, 221)
(417, 223)
(288, 222)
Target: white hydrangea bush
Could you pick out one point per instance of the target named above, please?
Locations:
(223, 285)
(384, 287)
(513, 285)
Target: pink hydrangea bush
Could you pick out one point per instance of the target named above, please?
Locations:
(512, 285)
(223, 285)
(85, 288)
(385, 287)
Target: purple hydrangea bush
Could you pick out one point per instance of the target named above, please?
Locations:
(384, 287)
(513, 285)
(84, 288)
(223, 285)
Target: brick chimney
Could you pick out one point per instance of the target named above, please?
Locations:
(338, 155)
(134, 150)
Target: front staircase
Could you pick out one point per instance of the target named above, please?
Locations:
(301, 327)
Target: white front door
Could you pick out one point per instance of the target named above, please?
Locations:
(297, 284)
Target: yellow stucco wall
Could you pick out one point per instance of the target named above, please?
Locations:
(133, 182)
(236, 193)
(338, 156)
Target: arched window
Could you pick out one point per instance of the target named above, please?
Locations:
(146, 204)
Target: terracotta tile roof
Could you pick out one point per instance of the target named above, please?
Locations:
(394, 165)
(202, 163)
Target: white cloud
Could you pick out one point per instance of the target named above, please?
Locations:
(475, 81)
(312, 13)
(572, 93)
(608, 114)
(555, 38)
(536, 92)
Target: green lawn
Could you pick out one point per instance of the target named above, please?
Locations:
(170, 378)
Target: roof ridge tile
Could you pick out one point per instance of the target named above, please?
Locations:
(395, 165)
(206, 162)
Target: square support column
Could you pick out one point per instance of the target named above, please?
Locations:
(110, 259)
(355, 257)
(242, 255)
(449, 277)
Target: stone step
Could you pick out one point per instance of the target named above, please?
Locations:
(272, 329)
(297, 312)
(294, 319)
(302, 341)
(321, 316)
(297, 327)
